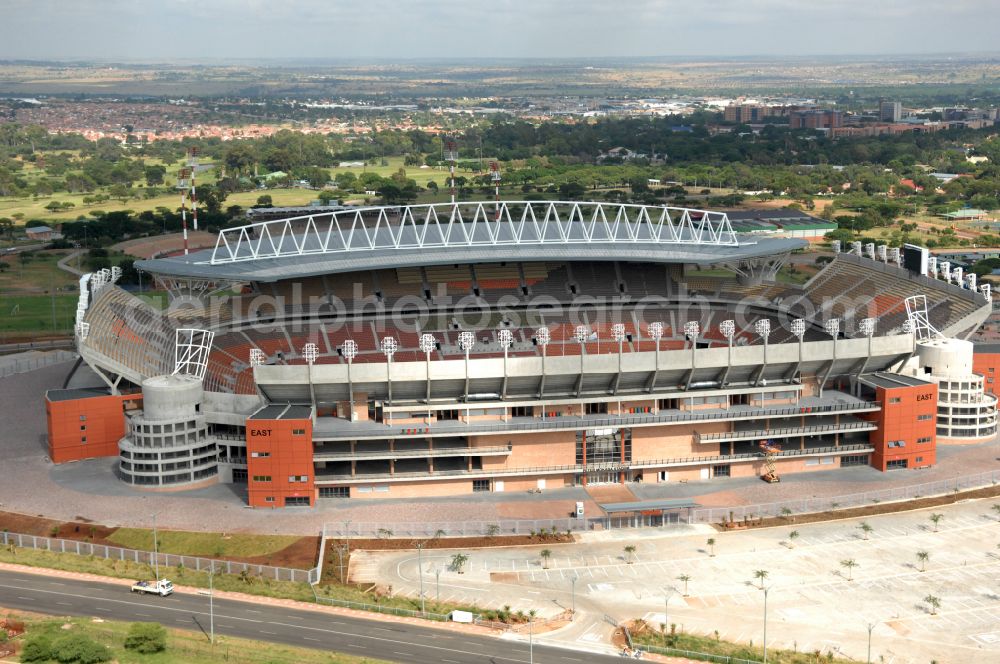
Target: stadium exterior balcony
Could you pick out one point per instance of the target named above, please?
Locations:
(409, 454)
(789, 432)
(341, 479)
(333, 429)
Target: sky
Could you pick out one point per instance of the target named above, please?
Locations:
(212, 30)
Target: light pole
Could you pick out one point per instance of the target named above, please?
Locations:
(310, 352)
(799, 330)
(389, 348)
(437, 582)
(506, 338)
(420, 571)
(466, 340)
(531, 641)
(156, 554)
(428, 344)
(870, 626)
(573, 579)
(349, 350)
(763, 329)
(581, 334)
(691, 330)
(670, 592)
(542, 337)
(211, 603)
(618, 334)
(765, 624)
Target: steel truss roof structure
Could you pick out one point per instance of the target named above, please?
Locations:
(443, 225)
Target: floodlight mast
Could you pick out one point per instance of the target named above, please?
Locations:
(618, 334)
(349, 349)
(389, 347)
(832, 327)
(799, 330)
(581, 334)
(691, 331)
(466, 340)
(428, 344)
(763, 329)
(542, 338)
(505, 338)
(655, 331)
(727, 329)
(310, 352)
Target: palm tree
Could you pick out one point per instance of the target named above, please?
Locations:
(711, 546)
(685, 578)
(922, 558)
(934, 603)
(849, 565)
(866, 528)
(629, 552)
(545, 554)
(761, 574)
(936, 519)
(792, 536)
(458, 562)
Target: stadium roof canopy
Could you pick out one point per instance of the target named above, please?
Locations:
(442, 234)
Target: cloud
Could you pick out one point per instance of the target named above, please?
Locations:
(395, 29)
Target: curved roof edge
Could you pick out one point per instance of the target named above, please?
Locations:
(198, 266)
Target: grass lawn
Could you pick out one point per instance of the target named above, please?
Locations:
(187, 646)
(651, 636)
(40, 274)
(20, 314)
(202, 544)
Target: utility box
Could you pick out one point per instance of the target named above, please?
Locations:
(579, 509)
(461, 616)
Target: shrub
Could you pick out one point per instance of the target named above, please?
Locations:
(146, 638)
(78, 649)
(37, 649)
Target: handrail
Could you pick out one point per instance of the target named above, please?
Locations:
(399, 454)
(784, 432)
(598, 467)
(621, 420)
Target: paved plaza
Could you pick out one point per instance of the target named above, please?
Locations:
(814, 602)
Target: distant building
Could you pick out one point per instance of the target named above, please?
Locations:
(785, 222)
(815, 119)
(890, 111)
(747, 113)
(43, 233)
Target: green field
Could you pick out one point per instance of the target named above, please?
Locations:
(186, 646)
(40, 274)
(203, 544)
(20, 314)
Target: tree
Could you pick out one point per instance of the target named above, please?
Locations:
(922, 558)
(761, 575)
(936, 519)
(264, 200)
(121, 192)
(865, 528)
(7, 227)
(711, 546)
(458, 562)
(934, 603)
(849, 565)
(146, 638)
(684, 578)
(629, 553)
(792, 536)
(78, 649)
(545, 554)
(154, 174)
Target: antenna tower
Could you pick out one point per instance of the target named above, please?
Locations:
(193, 165)
(451, 156)
(495, 176)
(183, 180)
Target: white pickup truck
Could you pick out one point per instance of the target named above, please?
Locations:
(163, 587)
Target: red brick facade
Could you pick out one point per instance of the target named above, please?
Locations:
(907, 427)
(279, 456)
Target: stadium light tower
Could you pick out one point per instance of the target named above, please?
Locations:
(542, 337)
(349, 349)
(655, 331)
(466, 340)
(451, 156)
(506, 339)
(832, 327)
(581, 334)
(727, 329)
(389, 347)
(691, 331)
(428, 344)
(495, 177)
(310, 352)
(763, 329)
(618, 334)
(799, 330)
(183, 183)
(256, 357)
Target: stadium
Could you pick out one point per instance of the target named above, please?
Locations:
(447, 349)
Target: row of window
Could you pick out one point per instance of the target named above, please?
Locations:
(291, 501)
(291, 478)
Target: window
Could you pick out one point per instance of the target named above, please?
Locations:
(260, 455)
(596, 408)
(925, 439)
(83, 427)
(261, 478)
(268, 499)
(919, 459)
(296, 501)
(894, 400)
(924, 418)
(83, 439)
(480, 485)
(521, 411)
(854, 460)
(298, 432)
(239, 475)
(894, 465)
(83, 418)
(721, 471)
(335, 492)
(897, 443)
(298, 478)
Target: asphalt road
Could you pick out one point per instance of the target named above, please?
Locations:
(356, 636)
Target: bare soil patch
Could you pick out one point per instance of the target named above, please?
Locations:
(479, 542)
(867, 510)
